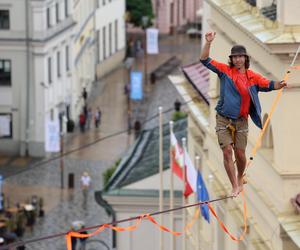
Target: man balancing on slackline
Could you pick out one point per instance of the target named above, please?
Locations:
(239, 87)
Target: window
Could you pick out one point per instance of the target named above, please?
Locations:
(251, 2)
(58, 64)
(49, 70)
(57, 12)
(98, 46)
(48, 18)
(5, 72)
(184, 9)
(67, 58)
(267, 141)
(66, 8)
(4, 19)
(104, 42)
(116, 35)
(6, 125)
(110, 38)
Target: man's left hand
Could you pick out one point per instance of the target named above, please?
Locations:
(280, 85)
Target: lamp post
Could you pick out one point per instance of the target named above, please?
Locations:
(145, 24)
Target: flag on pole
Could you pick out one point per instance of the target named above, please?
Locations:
(178, 165)
(191, 172)
(202, 194)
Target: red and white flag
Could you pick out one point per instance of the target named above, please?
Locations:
(191, 172)
(178, 164)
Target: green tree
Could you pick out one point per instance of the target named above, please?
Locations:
(137, 9)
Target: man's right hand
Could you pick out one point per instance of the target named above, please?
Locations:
(210, 36)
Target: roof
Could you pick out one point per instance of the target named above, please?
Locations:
(198, 76)
(256, 24)
(142, 159)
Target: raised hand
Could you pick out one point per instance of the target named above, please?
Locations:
(210, 36)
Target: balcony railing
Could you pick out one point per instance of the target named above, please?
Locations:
(270, 12)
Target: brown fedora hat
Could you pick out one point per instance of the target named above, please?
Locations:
(238, 50)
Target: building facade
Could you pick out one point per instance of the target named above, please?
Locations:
(110, 35)
(36, 71)
(270, 30)
(173, 14)
(84, 51)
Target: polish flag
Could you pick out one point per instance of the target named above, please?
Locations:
(191, 172)
(177, 166)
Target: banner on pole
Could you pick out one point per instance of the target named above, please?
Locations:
(136, 85)
(52, 140)
(152, 41)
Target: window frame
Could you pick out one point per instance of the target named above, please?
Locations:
(2, 71)
(2, 20)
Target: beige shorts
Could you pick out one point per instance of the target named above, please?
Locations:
(225, 136)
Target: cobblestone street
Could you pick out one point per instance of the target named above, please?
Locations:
(62, 207)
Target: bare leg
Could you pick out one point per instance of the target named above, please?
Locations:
(230, 169)
(241, 165)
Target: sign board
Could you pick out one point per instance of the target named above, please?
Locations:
(152, 41)
(136, 85)
(52, 140)
(5, 125)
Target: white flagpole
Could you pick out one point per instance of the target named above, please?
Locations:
(171, 189)
(198, 167)
(183, 197)
(161, 239)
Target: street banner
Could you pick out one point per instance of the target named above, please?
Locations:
(152, 41)
(136, 85)
(5, 127)
(52, 141)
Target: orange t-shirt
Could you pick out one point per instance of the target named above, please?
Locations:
(242, 85)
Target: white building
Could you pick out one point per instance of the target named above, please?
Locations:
(84, 52)
(35, 70)
(110, 33)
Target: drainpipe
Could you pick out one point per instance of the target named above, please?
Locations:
(110, 212)
(27, 80)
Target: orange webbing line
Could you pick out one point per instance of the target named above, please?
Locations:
(100, 229)
(130, 228)
(262, 132)
(237, 239)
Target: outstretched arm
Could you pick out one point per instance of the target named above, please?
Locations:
(209, 37)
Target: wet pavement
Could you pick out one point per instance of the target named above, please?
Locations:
(63, 206)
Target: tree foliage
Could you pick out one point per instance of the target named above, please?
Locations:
(137, 9)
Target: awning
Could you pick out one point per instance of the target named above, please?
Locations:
(198, 76)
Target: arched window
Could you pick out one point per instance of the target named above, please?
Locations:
(267, 140)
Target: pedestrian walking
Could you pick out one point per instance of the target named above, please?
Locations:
(83, 240)
(238, 99)
(85, 183)
(82, 122)
(84, 95)
(98, 117)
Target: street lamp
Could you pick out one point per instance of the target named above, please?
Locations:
(145, 24)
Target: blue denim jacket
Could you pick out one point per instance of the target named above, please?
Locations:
(229, 103)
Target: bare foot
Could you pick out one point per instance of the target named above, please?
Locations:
(235, 191)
